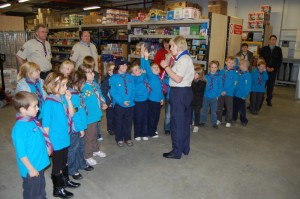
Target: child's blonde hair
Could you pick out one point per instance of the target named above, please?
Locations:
(107, 66)
(230, 58)
(260, 59)
(180, 42)
(26, 69)
(246, 62)
(52, 81)
(65, 64)
(262, 62)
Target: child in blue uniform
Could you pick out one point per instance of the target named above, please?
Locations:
(212, 91)
(94, 102)
(198, 87)
(156, 96)
(142, 90)
(57, 122)
(76, 159)
(122, 90)
(259, 79)
(30, 146)
(105, 91)
(241, 93)
(229, 80)
(29, 80)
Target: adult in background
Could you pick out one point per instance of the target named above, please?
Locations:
(273, 57)
(181, 95)
(37, 50)
(85, 48)
(246, 54)
(162, 52)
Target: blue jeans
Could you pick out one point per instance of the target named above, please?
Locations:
(76, 159)
(213, 104)
(34, 187)
(167, 115)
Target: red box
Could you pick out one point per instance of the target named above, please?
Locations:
(265, 8)
(262, 16)
(251, 24)
(251, 16)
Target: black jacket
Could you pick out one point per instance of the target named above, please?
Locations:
(105, 90)
(198, 88)
(250, 56)
(274, 58)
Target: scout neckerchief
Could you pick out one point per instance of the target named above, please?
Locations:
(260, 78)
(82, 104)
(44, 46)
(38, 91)
(186, 52)
(100, 99)
(46, 136)
(225, 74)
(212, 79)
(89, 46)
(123, 76)
(147, 86)
(54, 98)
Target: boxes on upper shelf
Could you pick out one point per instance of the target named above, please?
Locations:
(184, 31)
(170, 15)
(178, 13)
(218, 6)
(262, 16)
(265, 8)
(251, 24)
(251, 16)
(181, 4)
(190, 13)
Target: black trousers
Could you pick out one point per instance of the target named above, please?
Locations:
(195, 115)
(180, 101)
(153, 116)
(239, 106)
(140, 119)
(109, 118)
(256, 101)
(34, 188)
(270, 85)
(59, 160)
(123, 122)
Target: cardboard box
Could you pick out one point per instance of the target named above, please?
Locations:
(87, 19)
(96, 19)
(190, 13)
(259, 24)
(251, 16)
(175, 31)
(262, 16)
(184, 31)
(218, 6)
(265, 8)
(251, 24)
(178, 13)
(170, 15)
(182, 4)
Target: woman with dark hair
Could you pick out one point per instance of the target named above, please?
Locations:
(161, 53)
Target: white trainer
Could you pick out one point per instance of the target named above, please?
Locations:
(101, 154)
(138, 138)
(91, 161)
(155, 136)
(145, 138)
(228, 125)
(195, 130)
(100, 139)
(218, 122)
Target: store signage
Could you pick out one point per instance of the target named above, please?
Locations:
(236, 29)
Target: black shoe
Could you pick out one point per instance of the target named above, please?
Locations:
(58, 190)
(111, 132)
(167, 132)
(253, 112)
(71, 184)
(244, 123)
(89, 168)
(269, 104)
(77, 176)
(215, 126)
(170, 155)
(202, 125)
(67, 182)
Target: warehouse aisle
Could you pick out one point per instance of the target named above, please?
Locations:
(260, 161)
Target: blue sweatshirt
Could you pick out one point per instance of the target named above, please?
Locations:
(122, 89)
(259, 80)
(92, 102)
(105, 90)
(229, 80)
(156, 94)
(244, 85)
(141, 90)
(214, 86)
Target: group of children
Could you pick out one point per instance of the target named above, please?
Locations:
(60, 117)
(225, 92)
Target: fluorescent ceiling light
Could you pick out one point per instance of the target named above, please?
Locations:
(21, 1)
(5, 5)
(91, 8)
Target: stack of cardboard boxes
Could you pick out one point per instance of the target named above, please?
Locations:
(258, 20)
(218, 6)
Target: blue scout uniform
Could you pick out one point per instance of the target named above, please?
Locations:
(259, 80)
(229, 80)
(55, 118)
(142, 88)
(29, 142)
(244, 85)
(109, 111)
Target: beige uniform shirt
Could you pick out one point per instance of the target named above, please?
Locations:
(184, 67)
(33, 51)
(80, 50)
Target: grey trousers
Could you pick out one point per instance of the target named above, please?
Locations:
(225, 101)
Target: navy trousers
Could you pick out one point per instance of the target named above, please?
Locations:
(109, 118)
(239, 106)
(34, 188)
(123, 122)
(256, 101)
(180, 101)
(270, 85)
(153, 117)
(140, 119)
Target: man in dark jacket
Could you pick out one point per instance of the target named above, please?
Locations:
(273, 57)
(246, 54)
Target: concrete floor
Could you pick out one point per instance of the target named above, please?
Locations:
(260, 161)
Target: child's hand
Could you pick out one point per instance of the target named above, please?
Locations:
(68, 95)
(104, 107)
(146, 53)
(142, 51)
(82, 134)
(33, 173)
(126, 103)
(161, 102)
(164, 63)
(223, 93)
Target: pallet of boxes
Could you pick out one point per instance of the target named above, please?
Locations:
(218, 6)
(47, 17)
